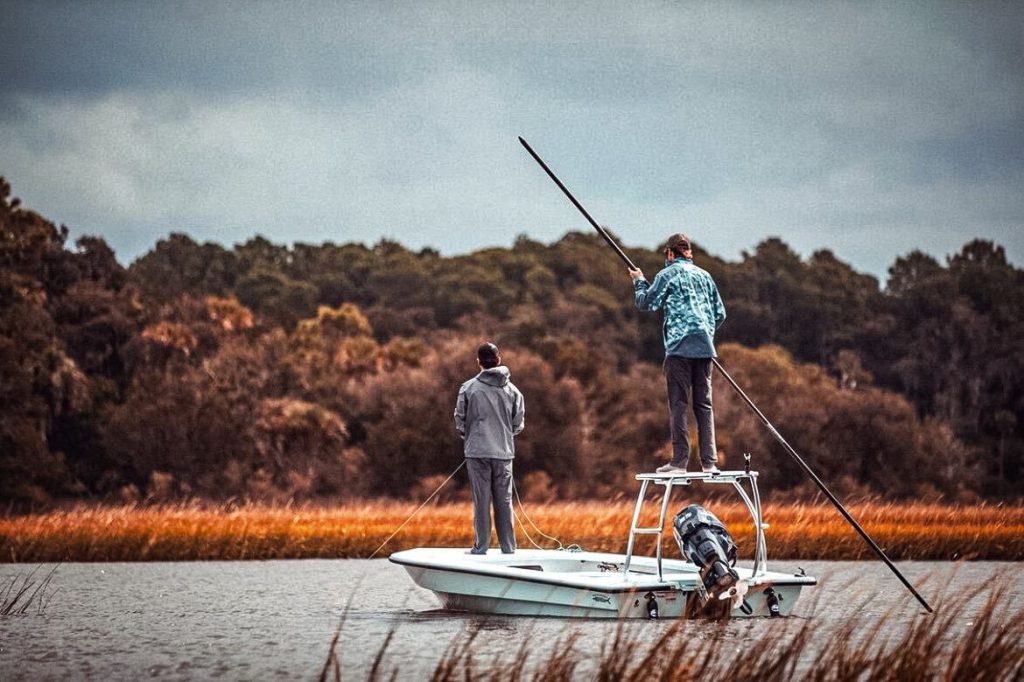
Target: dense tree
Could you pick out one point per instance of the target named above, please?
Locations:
(177, 265)
(39, 383)
(955, 350)
(866, 435)
(277, 297)
(274, 371)
(814, 308)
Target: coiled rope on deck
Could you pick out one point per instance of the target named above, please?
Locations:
(571, 548)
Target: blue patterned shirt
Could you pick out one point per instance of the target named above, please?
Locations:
(693, 308)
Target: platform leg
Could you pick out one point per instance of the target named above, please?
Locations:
(661, 521)
(632, 526)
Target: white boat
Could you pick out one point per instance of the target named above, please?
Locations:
(600, 585)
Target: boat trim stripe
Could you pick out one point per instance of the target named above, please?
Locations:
(660, 586)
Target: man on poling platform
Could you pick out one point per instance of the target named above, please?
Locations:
(693, 310)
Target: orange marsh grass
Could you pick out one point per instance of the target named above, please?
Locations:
(198, 531)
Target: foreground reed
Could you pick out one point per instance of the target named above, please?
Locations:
(203, 532)
(958, 642)
(27, 592)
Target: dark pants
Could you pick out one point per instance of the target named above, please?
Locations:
(683, 376)
(491, 481)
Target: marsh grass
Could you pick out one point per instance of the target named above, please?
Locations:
(25, 592)
(990, 648)
(203, 532)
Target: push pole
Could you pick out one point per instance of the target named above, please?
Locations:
(600, 230)
(828, 493)
(750, 403)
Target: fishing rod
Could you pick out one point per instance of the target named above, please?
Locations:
(750, 403)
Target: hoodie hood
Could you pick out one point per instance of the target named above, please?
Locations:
(495, 376)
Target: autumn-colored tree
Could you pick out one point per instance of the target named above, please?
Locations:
(277, 372)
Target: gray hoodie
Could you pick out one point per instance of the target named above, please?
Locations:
(489, 411)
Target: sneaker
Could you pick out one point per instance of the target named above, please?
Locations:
(475, 553)
(710, 469)
(670, 468)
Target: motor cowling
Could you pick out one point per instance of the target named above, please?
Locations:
(705, 541)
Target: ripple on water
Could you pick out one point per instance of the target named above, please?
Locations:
(275, 619)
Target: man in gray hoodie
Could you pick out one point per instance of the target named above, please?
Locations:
(489, 412)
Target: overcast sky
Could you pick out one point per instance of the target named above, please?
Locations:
(867, 128)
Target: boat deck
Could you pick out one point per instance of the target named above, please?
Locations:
(590, 570)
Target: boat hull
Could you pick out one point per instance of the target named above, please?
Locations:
(582, 584)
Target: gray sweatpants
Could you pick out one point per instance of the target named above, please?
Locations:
(491, 481)
(683, 376)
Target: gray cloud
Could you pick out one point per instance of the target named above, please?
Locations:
(867, 129)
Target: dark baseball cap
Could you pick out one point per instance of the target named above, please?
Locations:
(677, 242)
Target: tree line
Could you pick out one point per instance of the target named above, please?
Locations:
(329, 371)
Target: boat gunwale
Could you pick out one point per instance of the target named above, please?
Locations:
(551, 578)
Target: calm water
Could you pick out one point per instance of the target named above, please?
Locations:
(275, 619)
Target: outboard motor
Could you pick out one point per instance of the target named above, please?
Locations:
(704, 540)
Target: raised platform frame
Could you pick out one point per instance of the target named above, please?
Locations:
(669, 481)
